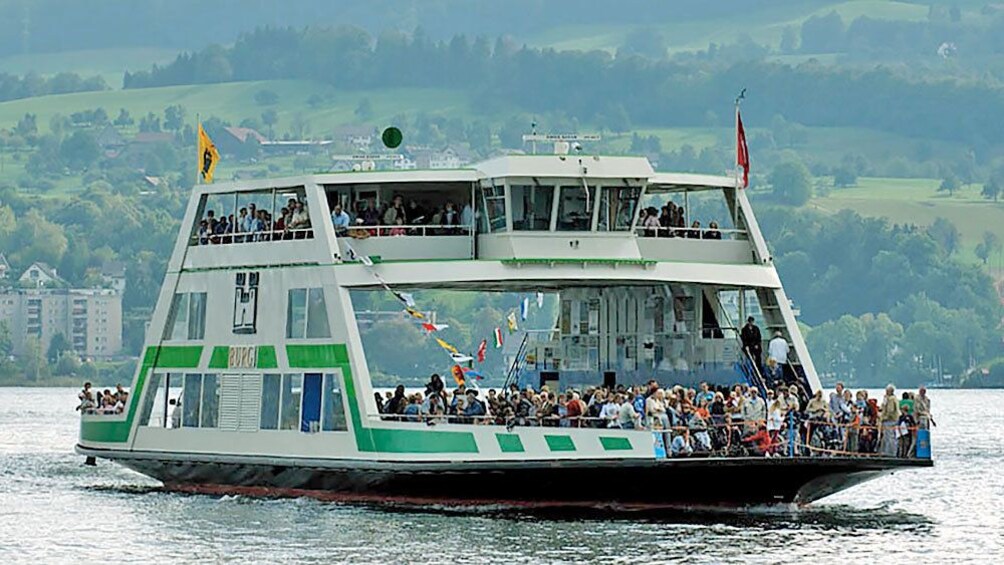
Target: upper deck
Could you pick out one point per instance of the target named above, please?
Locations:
(515, 209)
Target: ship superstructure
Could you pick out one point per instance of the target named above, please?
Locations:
(255, 333)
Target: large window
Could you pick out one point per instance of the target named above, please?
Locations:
(617, 207)
(271, 391)
(191, 392)
(210, 409)
(292, 392)
(306, 314)
(333, 413)
(531, 207)
(187, 317)
(575, 208)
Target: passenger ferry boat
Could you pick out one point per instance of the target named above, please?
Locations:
(256, 336)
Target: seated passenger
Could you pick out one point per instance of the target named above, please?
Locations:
(398, 228)
(367, 213)
(712, 231)
(203, 234)
(680, 446)
(414, 408)
(416, 214)
(760, 442)
(695, 230)
(86, 397)
(339, 219)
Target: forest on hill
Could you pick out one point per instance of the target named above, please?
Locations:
(887, 108)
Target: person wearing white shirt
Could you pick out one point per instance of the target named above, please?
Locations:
(777, 355)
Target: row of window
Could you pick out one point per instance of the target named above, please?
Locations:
(306, 316)
(533, 208)
(309, 402)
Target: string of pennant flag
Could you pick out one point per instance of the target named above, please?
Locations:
(459, 372)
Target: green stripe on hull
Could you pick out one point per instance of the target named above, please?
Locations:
(220, 358)
(615, 443)
(116, 429)
(380, 440)
(266, 357)
(560, 443)
(510, 443)
(317, 356)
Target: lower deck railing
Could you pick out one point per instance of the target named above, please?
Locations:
(792, 436)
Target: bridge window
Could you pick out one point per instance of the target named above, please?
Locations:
(531, 207)
(306, 314)
(617, 207)
(187, 317)
(493, 203)
(575, 208)
(272, 214)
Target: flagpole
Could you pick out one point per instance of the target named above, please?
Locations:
(735, 169)
(198, 156)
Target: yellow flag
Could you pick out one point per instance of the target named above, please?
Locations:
(208, 156)
(446, 346)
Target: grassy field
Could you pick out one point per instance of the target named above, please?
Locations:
(109, 63)
(917, 201)
(235, 101)
(763, 25)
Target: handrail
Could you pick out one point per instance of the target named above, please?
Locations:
(360, 231)
(795, 438)
(684, 233)
(240, 237)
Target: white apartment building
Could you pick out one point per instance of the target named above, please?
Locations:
(89, 318)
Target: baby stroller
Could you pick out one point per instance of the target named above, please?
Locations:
(824, 435)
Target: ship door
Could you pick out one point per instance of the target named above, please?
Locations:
(311, 418)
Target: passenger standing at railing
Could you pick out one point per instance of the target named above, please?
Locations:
(651, 222)
(666, 221)
(889, 414)
(655, 410)
(754, 410)
(450, 217)
(629, 418)
(922, 405)
(395, 211)
(904, 432)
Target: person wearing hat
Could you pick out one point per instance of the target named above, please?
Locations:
(777, 356)
(752, 341)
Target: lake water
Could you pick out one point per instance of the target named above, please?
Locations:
(55, 510)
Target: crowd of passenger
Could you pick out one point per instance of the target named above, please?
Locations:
(102, 402)
(719, 421)
(255, 224)
(395, 218)
(671, 221)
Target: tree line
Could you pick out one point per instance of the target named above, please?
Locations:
(595, 85)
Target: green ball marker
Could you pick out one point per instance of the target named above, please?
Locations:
(391, 137)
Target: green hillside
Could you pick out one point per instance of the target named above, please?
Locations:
(235, 101)
(763, 26)
(917, 201)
